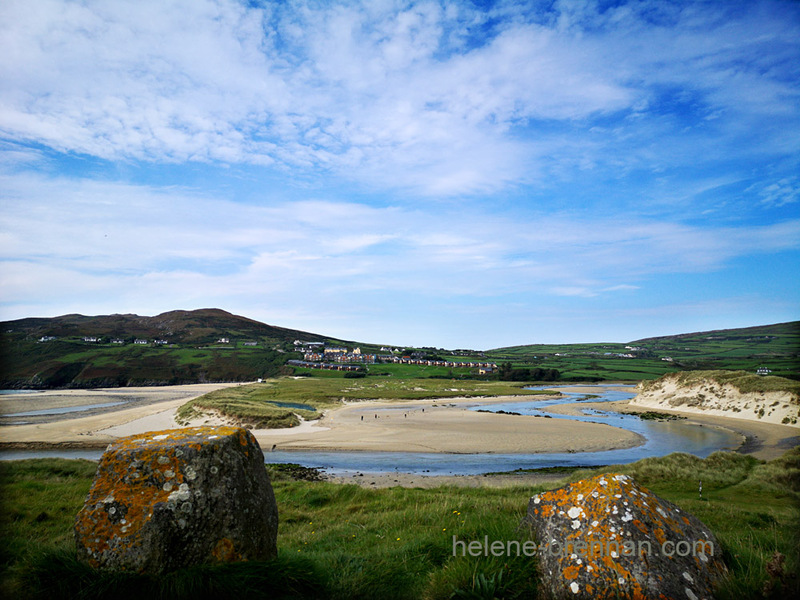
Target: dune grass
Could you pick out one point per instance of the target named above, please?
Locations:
(741, 380)
(260, 404)
(343, 541)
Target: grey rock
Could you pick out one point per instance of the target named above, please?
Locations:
(170, 499)
(608, 537)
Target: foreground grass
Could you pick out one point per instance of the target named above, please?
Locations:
(260, 404)
(342, 541)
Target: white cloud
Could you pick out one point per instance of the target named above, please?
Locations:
(409, 97)
(780, 193)
(117, 242)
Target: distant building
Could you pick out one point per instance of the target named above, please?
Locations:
(140, 342)
(160, 342)
(250, 343)
(91, 339)
(224, 340)
(117, 341)
(47, 338)
(763, 371)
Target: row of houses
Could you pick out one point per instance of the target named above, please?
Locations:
(320, 365)
(356, 356)
(407, 360)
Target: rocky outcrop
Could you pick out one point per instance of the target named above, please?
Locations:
(607, 537)
(170, 499)
(734, 394)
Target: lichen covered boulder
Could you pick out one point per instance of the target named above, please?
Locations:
(170, 499)
(608, 537)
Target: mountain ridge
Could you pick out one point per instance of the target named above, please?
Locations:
(179, 326)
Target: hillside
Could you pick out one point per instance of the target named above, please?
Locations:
(174, 347)
(774, 347)
(203, 326)
(211, 345)
(734, 394)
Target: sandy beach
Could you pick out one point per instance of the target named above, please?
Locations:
(151, 408)
(444, 425)
(407, 426)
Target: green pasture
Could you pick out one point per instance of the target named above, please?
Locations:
(776, 347)
(346, 542)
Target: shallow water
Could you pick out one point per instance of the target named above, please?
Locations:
(64, 410)
(662, 438)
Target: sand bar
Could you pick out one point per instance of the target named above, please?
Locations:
(408, 426)
(84, 431)
(448, 425)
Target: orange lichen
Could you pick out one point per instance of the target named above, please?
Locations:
(571, 572)
(593, 520)
(225, 551)
(136, 474)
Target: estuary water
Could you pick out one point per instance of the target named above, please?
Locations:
(661, 438)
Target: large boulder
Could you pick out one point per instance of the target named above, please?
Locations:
(169, 499)
(608, 537)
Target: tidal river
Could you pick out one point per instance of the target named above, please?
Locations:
(662, 438)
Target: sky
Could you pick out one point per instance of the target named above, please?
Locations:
(464, 174)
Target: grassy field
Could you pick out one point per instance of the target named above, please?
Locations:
(776, 347)
(342, 541)
(259, 404)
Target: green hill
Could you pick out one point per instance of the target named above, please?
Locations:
(773, 347)
(214, 345)
(171, 348)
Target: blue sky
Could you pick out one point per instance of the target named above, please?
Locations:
(455, 174)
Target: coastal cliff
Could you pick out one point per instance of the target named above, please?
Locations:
(735, 394)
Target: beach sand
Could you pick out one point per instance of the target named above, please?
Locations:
(505, 480)
(444, 425)
(404, 426)
(153, 409)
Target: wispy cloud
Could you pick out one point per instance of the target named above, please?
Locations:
(409, 98)
(439, 163)
(194, 246)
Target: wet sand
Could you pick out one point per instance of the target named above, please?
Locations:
(406, 426)
(83, 430)
(386, 480)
